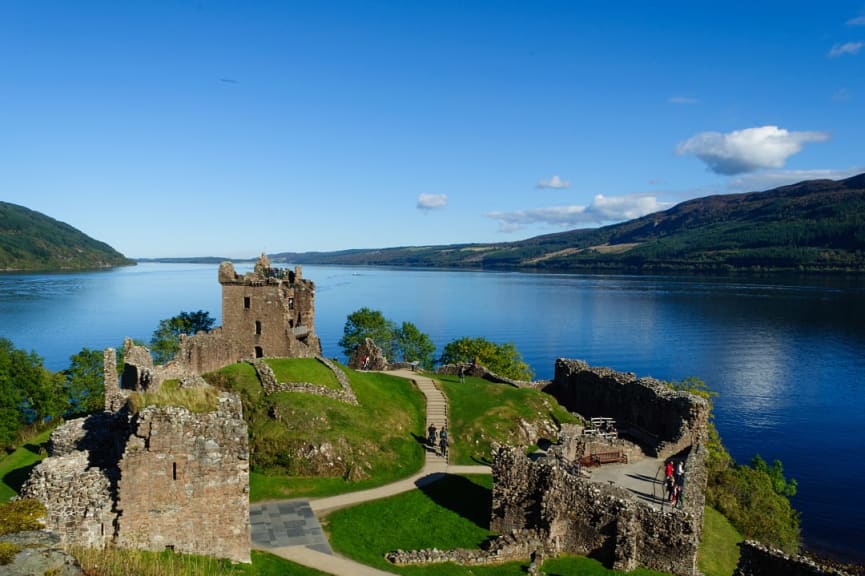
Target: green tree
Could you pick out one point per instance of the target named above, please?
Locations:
(415, 346)
(84, 384)
(775, 473)
(28, 392)
(165, 342)
(367, 323)
(754, 498)
(502, 359)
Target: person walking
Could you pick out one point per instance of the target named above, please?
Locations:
(443, 441)
(431, 436)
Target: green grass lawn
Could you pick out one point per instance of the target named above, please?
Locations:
(15, 468)
(451, 513)
(288, 370)
(481, 412)
(719, 553)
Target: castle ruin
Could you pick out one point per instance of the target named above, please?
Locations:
(166, 477)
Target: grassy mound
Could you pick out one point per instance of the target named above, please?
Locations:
(302, 370)
(307, 445)
(483, 412)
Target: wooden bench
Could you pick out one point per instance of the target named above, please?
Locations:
(599, 458)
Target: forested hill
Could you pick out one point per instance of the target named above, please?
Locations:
(816, 226)
(30, 240)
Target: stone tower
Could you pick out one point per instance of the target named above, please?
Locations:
(269, 312)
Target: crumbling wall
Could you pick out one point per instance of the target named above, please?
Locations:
(208, 351)
(164, 478)
(662, 420)
(184, 482)
(77, 483)
(603, 521)
(758, 560)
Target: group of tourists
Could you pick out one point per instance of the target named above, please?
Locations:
(442, 438)
(674, 481)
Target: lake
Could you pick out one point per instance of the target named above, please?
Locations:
(786, 355)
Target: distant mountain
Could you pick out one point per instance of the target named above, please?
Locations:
(30, 240)
(813, 226)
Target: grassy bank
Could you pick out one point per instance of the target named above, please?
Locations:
(294, 436)
(481, 412)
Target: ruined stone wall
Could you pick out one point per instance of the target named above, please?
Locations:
(162, 478)
(580, 517)
(184, 482)
(209, 351)
(663, 420)
(77, 483)
(758, 560)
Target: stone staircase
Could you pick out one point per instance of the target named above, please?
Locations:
(436, 413)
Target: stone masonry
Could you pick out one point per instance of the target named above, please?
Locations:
(606, 522)
(164, 478)
(184, 482)
(543, 506)
(662, 420)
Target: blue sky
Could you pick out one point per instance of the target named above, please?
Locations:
(174, 128)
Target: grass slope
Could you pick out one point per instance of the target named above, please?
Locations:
(719, 553)
(15, 468)
(376, 442)
(481, 412)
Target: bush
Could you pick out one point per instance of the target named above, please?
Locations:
(8, 552)
(746, 496)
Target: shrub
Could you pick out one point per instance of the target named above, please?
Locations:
(8, 552)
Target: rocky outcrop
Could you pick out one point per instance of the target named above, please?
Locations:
(368, 356)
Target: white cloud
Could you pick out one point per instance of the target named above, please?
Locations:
(554, 182)
(858, 21)
(432, 201)
(682, 100)
(602, 210)
(846, 48)
(747, 150)
(773, 179)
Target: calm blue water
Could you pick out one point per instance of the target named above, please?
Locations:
(786, 356)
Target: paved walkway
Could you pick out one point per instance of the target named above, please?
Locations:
(290, 528)
(644, 478)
